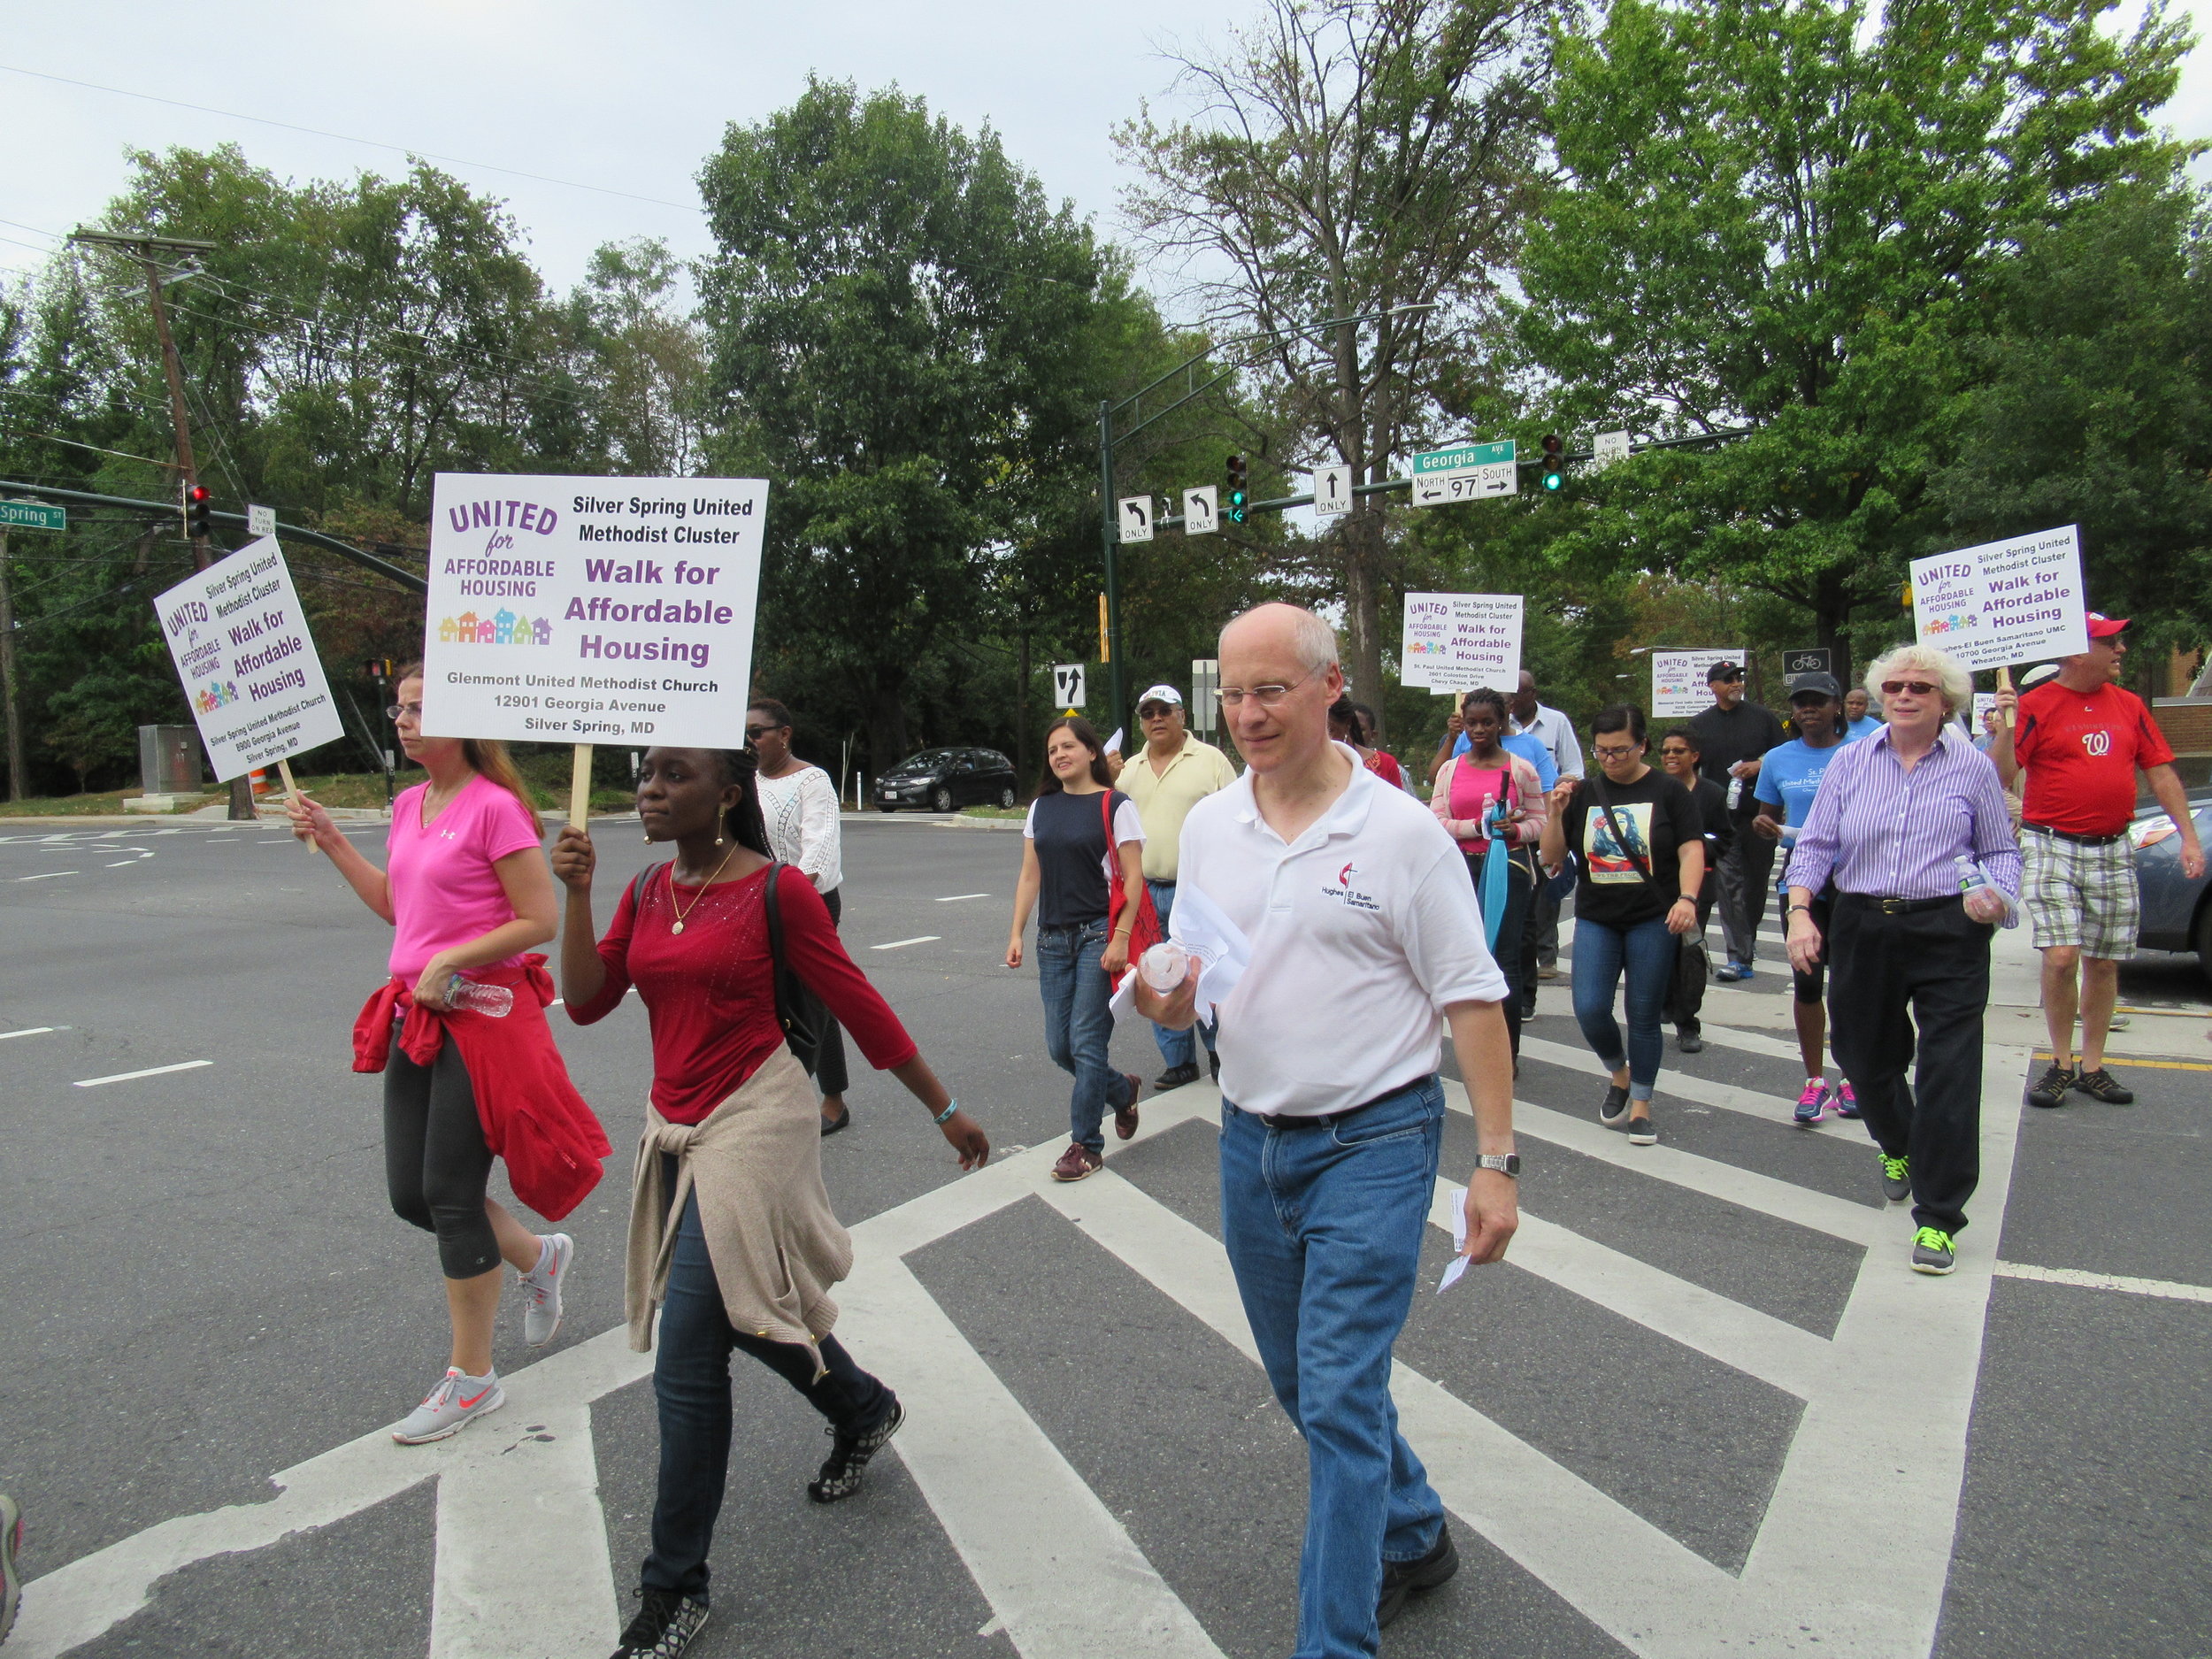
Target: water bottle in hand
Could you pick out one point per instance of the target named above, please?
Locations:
(1165, 966)
(493, 1001)
(1972, 875)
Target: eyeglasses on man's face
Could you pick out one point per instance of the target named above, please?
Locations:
(1267, 696)
(1910, 687)
(1155, 711)
(399, 711)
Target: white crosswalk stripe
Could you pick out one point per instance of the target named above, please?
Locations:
(522, 1543)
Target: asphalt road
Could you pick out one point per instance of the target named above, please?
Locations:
(1704, 1409)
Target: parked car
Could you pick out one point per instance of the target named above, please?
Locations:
(2177, 912)
(945, 779)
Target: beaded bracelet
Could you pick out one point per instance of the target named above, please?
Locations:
(948, 1112)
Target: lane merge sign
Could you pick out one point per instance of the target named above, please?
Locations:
(1466, 472)
(32, 515)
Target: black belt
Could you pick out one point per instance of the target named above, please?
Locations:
(1893, 907)
(2078, 841)
(1322, 1121)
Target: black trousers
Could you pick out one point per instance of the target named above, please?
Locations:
(1520, 889)
(1889, 973)
(1746, 872)
(1686, 1001)
(830, 1075)
(436, 1165)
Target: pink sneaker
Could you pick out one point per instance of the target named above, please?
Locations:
(1811, 1103)
(1844, 1101)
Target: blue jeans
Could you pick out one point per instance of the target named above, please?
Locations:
(1079, 1026)
(1324, 1228)
(1646, 951)
(691, 1385)
(1177, 1047)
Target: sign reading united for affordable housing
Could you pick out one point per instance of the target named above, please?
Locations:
(1459, 641)
(2003, 602)
(1678, 687)
(241, 647)
(592, 609)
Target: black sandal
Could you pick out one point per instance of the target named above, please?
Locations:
(830, 1126)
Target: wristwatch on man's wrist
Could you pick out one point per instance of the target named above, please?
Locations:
(1504, 1162)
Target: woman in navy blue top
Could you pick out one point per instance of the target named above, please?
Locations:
(1069, 865)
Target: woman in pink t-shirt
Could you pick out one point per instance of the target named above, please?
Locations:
(467, 891)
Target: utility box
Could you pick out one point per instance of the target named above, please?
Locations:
(169, 759)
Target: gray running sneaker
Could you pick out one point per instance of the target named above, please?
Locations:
(542, 1289)
(452, 1405)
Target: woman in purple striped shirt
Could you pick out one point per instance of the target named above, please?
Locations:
(1910, 825)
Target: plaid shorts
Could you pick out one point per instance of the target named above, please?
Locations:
(2081, 895)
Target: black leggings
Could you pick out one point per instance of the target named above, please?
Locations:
(830, 1075)
(435, 1162)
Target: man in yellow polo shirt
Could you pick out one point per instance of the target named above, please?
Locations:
(1170, 774)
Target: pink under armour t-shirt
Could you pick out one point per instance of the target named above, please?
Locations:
(444, 889)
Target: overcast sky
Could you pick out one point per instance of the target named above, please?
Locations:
(628, 97)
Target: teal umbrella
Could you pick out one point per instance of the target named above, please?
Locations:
(1493, 892)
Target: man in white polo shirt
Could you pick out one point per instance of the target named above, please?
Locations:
(1365, 944)
(1172, 773)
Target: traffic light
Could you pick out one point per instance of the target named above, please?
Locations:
(1555, 462)
(197, 501)
(1233, 510)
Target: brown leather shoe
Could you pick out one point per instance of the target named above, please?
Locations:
(1126, 1120)
(1076, 1163)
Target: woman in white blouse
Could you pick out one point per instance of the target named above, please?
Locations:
(800, 805)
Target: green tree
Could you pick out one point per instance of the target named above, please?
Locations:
(1789, 214)
(1350, 157)
(910, 342)
(2095, 409)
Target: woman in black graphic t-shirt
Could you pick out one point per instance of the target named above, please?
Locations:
(1639, 853)
(1068, 861)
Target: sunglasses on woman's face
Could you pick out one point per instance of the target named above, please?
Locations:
(754, 733)
(1910, 688)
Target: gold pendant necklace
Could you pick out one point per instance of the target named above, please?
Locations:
(677, 927)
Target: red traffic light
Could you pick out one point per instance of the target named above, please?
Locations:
(198, 495)
(196, 510)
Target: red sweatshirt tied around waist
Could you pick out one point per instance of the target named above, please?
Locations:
(530, 1113)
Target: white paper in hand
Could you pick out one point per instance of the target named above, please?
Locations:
(1218, 946)
(1113, 743)
(1457, 1198)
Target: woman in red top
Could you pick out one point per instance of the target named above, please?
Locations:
(466, 892)
(1350, 723)
(731, 1232)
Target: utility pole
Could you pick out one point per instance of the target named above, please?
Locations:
(144, 249)
(7, 677)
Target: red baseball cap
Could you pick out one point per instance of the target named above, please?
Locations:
(2103, 627)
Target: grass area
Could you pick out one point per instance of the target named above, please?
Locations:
(109, 803)
(994, 811)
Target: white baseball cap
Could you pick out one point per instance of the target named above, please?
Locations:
(1162, 694)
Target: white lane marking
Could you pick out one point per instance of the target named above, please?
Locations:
(49, 875)
(1772, 1109)
(2171, 1289)
(152, 1071)
(900, 944)
(1058, 1567)
(31, 1031)
(955, 898)
(522, 1544)
(123, 863)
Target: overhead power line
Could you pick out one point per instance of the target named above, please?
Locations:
(348, 138)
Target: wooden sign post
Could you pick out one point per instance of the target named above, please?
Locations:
(579, 787)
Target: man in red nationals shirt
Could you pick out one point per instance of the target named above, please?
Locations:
(2081, 739)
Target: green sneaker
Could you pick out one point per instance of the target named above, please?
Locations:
(1896, 1179)
(1932, 1251)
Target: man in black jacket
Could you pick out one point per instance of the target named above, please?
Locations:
(1732, 736)
(1678, 754)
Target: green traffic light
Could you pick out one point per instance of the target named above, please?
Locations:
(1553, 480)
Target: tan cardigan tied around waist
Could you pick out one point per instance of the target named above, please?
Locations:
(755, 1163)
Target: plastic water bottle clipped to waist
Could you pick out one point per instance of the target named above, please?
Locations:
(494, 1000)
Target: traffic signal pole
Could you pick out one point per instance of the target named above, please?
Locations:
(143, 248)
(1110, 528)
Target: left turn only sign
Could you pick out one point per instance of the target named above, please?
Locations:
(1136, 518)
